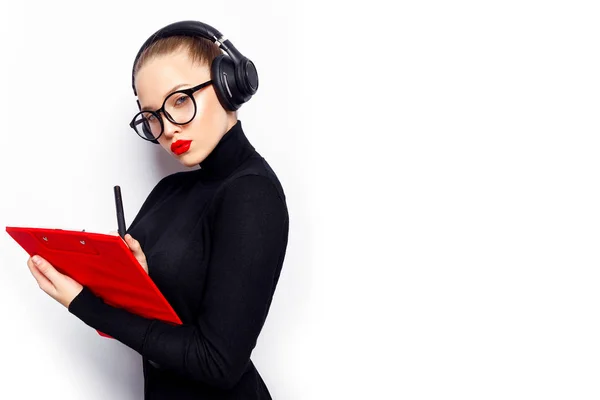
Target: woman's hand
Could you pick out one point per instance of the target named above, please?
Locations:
(60, 287)
(135, 248)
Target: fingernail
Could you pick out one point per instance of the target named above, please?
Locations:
(36, 260)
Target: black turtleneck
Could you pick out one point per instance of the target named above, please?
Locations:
(215, 239)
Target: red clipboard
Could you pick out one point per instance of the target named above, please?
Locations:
(101, 262)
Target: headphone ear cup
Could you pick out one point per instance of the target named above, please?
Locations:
(247, 78)
(222, 72)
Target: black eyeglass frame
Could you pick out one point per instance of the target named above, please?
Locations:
(189, 92)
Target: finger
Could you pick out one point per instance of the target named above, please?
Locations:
(44, 283)
(47, 270)
(116, 233)
(134, 245)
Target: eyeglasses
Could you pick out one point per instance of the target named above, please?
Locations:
(179, 107)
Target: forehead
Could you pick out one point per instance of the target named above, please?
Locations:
(159, 75)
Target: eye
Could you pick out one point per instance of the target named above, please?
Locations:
(181, 100)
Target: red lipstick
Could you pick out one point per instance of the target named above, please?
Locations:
(180, 146)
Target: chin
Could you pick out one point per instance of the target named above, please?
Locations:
(190, 159)
(188, 162)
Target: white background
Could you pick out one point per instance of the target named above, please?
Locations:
(441, 162)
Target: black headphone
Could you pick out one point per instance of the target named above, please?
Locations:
(234, 78)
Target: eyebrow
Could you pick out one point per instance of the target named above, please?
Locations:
(174, 88)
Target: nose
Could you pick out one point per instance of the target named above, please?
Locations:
(170, 128)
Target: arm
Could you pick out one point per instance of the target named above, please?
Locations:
(250, 230)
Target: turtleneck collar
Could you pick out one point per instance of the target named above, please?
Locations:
(233, 149)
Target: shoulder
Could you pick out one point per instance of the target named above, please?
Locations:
(251, 204)
(160, 188)
(255, 177)
(251, 186)
(248, 193)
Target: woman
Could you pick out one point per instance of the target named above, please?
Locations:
(213, 239)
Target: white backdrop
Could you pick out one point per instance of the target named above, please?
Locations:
(441, 163)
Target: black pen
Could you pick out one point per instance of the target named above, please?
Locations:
(120, 214)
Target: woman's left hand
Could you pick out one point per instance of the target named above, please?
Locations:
(60, 287)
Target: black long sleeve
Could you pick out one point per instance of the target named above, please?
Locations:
(241, 236)
(248, 243)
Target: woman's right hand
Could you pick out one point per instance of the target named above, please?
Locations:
(135, 248)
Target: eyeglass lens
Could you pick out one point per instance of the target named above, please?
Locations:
(180, 109)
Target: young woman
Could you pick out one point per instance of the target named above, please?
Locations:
(213, 239)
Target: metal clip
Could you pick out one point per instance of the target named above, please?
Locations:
(219, 42)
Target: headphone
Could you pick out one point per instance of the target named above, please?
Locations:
(234, 76)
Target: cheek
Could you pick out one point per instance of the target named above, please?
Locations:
(206, 106)
(210, 103)
(208, 115)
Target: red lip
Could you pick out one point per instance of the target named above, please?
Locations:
(180, 146)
